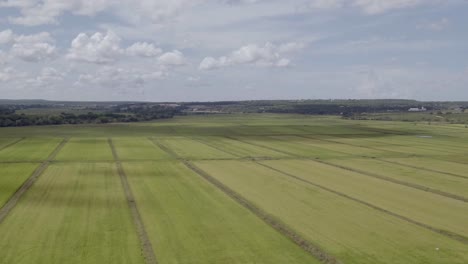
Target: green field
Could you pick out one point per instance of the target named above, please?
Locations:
(86, 149)
(191, 221)
(30, 149)
(241, 188)
(75, 213)
(138, 149)
(351, 231)
(12, 176)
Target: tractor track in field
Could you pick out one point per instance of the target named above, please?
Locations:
(352, 145)
(425, 169)
(389, 179)
(392, 180)
(280, 227)
(446, 233)
(146, 246)
(12, 143)
(11, 203)
(381, 159)
(373, 175)
(449, 234)
(215, 147)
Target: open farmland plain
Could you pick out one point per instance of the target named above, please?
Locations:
(254, 188)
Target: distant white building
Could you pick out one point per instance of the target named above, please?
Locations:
(422, 109)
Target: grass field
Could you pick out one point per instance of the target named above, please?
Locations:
(75, 213)
(30, 149)
(434, 180)
(351, 231)
(12, 175)
(243, 188)
(138, 149)
(191, 221)
(86, 149)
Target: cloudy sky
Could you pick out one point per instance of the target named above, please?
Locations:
(205, 50)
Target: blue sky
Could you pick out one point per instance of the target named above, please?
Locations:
(205, 50)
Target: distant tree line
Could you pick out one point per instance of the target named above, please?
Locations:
(329, 109)
(136, 113)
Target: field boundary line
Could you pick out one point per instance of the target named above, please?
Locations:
(352, 145)
(266, 147)
(384, 178)
(446, 233)
(12, 143)
(14, 199)
(383, 159)
(426, 147)
(280, 227)
(145, 243)
(425, 169)
(389, 179)
(449, 234)
(213, 146)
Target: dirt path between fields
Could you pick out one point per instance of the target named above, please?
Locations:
(373, 175)
(425, 169)
(437, 230)
(11, 203)
(283, 229)
(389, 179)
(146, 246)
(394, 162)
(449, 234)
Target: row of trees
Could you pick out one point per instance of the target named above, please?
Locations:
(8, 117)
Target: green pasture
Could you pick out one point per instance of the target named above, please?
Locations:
(77, 212)
(135, 148)
(30, 149)
(437, 165)
(437, 181)
(86, 149)
(12, 176)
(74, 213)
(349, 230)
(425, 207)
(190, 221)
(192, 149)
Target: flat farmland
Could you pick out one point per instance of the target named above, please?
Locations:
(352, 232)
(75, 213)
(190, 221)
(192, 149)
(404, 174)
(434, 210)
(12, 176)
(138, 149)
(4, 142)
(29, 149)
(447, 167)
(241, 149)
(86, 149)
(241, 188)
(292, 146)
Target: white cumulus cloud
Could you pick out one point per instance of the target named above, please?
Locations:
(268, 55)
(98, 48)
(143, 49)
(34, 52)
(105, 48)
(31, 48)
(173, 58)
